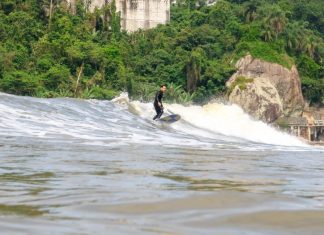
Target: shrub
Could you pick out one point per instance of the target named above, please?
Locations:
(57, 77)
(20, 83)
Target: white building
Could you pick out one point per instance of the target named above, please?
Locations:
(137, 14)
(143, 14)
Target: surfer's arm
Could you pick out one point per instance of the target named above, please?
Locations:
(158, 99)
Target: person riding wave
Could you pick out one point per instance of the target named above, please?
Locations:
(158, 101)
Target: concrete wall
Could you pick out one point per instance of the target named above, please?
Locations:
(136, 14)
(144, 14)
(95, 3)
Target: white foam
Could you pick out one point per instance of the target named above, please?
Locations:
(230, 120)
(214, 119)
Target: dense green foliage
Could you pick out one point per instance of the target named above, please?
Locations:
(50, 51)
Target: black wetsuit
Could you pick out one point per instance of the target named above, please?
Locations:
(157, 100)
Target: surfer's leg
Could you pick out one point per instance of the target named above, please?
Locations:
(160, 113)
(157, 110)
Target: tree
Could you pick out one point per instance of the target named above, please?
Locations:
(57, 77)
(267, 34)
(294, 35)
(19, 82)
(220, 14)
(250, 10)
(301, 39)
(49, 7)
(191, 4)
(276, 21)
(22, 28)
(193, 69)
(7, 6)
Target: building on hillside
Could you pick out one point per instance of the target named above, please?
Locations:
(310, 126)
(143, 14)
(211, 2)
(136, 14)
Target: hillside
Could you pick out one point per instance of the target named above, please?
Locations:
(49, 52)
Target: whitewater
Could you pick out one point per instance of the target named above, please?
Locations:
(71, 166)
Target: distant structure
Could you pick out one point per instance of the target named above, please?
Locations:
(211, 2)
(310, 126)
(143, 14)
(136, 14)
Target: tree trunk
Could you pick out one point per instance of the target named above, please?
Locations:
(193, 75)
(50, 14)
(79, 76)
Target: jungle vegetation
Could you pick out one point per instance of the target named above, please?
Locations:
(50, 49)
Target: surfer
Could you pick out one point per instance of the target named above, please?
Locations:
(158, 102)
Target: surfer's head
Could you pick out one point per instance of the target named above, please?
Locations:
(163, 88)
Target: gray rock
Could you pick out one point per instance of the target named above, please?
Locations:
(274, 91)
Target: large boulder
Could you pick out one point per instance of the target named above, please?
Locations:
(266, 90)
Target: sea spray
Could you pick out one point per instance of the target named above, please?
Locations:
(216, 118)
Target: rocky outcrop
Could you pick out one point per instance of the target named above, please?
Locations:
(269, 90)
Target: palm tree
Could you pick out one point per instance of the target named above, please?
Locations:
(301, 39)
(48, 7)
(319, 52)
(294, 33)
(267, 34)
(193, 68)
(277, 20)
(250, 10)
(310, 46)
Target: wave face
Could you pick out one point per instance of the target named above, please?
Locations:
(69, 165)
(122, 122)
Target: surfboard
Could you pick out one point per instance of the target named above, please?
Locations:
(170, 119)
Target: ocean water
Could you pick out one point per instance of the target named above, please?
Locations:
(70, 166)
